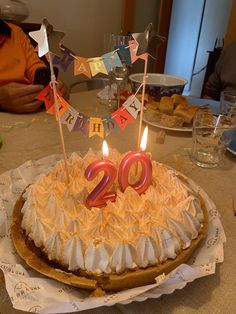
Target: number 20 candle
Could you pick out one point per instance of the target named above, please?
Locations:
(133, 157)
(100, 195)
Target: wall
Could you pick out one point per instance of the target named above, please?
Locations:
(146, 12)
(84, 21)
(194, 27)
(231, 30)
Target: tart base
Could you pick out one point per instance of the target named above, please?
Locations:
(108, 282)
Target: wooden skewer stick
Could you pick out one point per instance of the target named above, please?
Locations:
(58, 118)
(142, 103)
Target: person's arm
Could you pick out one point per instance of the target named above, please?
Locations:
(214, 84)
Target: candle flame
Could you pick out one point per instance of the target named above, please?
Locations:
(105, 150)
(143, 142)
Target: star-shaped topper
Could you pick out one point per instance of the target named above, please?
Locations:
(47, 39)
(54, 38)
(40, 37)
(144, 40)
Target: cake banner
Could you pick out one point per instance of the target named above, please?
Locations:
(138, 48)
(90, 126)
(102, 64)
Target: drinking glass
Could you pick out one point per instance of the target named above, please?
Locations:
(211, 135)
(228, 103)
(117, 75)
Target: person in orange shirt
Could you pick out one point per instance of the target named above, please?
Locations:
(18, 63)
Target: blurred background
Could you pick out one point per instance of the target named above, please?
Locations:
(195, 31)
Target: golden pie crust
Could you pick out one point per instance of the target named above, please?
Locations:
(111, 282)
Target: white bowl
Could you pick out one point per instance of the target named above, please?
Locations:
(158, 85)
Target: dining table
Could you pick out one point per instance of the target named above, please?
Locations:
(36, 135)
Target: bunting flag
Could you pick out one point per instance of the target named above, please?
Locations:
(133, 106)
(62, 107)
(91, 126)
(69, 118)
(81, 124)
(124, 53)
(110, 125)
(97, 66)
(122, 117)
(111, 60)
(96, 127)
(81, 66)
(65, 59)
(46, 95)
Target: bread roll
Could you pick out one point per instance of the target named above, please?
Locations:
(186, 113)
(179, 99)
(152, 104)
(166, 105)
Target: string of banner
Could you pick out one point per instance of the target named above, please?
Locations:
(77, 121)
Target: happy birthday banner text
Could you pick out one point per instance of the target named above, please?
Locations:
(76, 121)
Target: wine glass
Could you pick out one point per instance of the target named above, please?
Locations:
(118, 74)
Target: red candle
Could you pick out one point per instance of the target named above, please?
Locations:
(146, 173)
(100, 195)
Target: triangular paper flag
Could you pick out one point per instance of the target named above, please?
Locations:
(62, 107)
(82, 124)
(65, 58)
(97, 66)
(111, 60)
(46, 95)
(124, 53)
(122, 117)
(96, 127)
(69, 118)
(110, 125)
(81, 66)
(133, 106)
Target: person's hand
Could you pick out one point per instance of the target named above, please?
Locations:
(63, 88)
(19, 98)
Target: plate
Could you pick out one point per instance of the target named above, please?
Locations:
(157, 125)
(213, 105)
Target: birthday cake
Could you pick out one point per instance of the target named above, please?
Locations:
(127, 243)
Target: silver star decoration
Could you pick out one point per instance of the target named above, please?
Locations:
(54, 38)
(40, 37)
(144, 40)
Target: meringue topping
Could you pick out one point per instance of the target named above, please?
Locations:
(134, 231)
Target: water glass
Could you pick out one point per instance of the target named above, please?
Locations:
(228, 103)
(211, 135)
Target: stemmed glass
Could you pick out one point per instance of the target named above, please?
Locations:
(117, 75)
